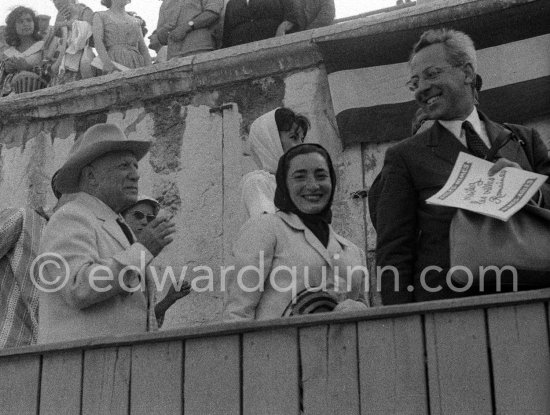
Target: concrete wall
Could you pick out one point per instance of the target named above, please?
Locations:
(199, 150)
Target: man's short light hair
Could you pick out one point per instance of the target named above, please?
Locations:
(458, 45)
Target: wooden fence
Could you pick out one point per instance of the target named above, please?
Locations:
(477, 356)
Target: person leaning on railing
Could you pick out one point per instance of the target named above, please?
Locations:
(186, 27)
(73, 28)
(311, 14)
(251, 20)
(22, 65)
(293, 262)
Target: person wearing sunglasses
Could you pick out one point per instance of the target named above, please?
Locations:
(141, 213)
(138, 216)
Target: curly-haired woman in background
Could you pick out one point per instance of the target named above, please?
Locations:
(25, 56)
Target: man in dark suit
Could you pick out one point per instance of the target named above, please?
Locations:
(413, 237)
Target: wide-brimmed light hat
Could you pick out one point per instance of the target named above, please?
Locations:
(97, 141)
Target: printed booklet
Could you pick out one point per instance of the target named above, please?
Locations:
(500, 196)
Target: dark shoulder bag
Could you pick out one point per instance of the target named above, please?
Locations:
(488, 252)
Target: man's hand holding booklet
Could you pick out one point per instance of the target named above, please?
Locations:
(500, 196)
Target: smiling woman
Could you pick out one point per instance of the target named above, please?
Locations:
(21, 64)
(309, 184)
(283, 257)
(270, 136)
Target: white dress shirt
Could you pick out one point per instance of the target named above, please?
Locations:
(455, 127)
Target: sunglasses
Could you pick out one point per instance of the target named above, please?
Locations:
(139, 215)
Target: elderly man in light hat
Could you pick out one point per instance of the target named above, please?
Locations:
(92, 274)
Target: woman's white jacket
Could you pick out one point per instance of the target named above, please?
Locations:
(277, 256)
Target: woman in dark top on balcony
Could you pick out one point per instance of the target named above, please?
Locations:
(250, 20)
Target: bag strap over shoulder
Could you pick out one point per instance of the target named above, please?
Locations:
(516, 135)
(503, 139)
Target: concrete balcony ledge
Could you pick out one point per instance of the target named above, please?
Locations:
(228, 66)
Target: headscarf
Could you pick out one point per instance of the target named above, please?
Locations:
(265, 142)
(317, 223)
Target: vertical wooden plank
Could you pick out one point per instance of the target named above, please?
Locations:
(61, 383)
(270, 372)
(343, 369)
(106, 384)
(458, 363)
(521, 359)
(19, 384)
(391, 363)
(315, 375)
(212, 376)
(156, 386)
(329, 369)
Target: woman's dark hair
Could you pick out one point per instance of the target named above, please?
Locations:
(107, 3)
(285, 118)
(12, 38)
(303, 123)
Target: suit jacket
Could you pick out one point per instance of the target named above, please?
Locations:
(276, 243)
(412, 235)
(174, 13)
(311, 14)
(86, 235)
(257, 20)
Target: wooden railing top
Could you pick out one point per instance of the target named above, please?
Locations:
(224, 329)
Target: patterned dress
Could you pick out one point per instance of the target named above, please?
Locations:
(121, 39)
(33, 56)
(20, 232)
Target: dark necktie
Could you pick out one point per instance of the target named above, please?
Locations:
(474, 142)
(126, 229)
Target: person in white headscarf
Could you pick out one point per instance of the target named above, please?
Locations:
(271, 135)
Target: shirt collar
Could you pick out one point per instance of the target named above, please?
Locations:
(455, 126)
